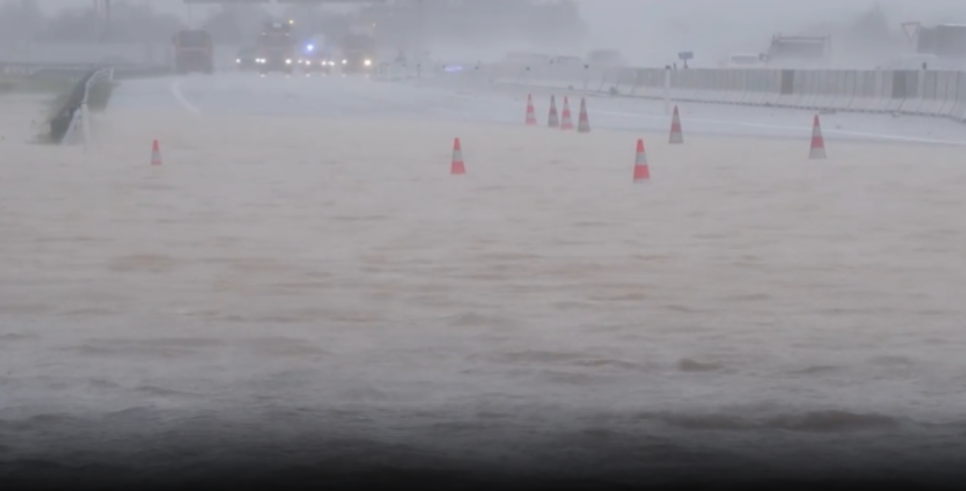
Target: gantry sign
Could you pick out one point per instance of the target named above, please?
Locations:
(279, 2)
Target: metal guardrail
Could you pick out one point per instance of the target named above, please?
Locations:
(76, 111)
(74, 115)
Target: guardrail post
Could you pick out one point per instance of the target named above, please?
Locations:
(667, 89)
(86, 125)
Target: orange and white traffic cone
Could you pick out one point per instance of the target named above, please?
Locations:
(456, 167)
(583, 122)
(566, 122)
(817, 151)
(531, 115)
(641, 170)
(677, 136)
(553, 121)
(155, 153)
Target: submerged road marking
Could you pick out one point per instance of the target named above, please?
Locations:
(176, 92)
(805, 129)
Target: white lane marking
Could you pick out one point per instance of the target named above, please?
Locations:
(805, 129)
(185, 103)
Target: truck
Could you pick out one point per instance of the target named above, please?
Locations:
(799, 51)
(316, 57)
(193, 51)
(275, 48)
(945, 41)
(358, 53)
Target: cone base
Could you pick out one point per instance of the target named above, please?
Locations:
(641, 173)
(457, 168)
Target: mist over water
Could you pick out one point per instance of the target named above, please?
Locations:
(301, 286)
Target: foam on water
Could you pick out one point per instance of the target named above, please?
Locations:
(294, 274)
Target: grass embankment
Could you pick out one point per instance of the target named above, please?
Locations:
(19, 85)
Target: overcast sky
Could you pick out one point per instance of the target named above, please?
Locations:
(611, 11)
(691, 24)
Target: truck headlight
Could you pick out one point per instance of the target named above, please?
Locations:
(237, 60)
(368, 62)
(288, 61)
(345, 61)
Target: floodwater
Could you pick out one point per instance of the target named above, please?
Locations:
(291, 279)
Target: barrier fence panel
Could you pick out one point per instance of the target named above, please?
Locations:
(917, 92)
(952, 94)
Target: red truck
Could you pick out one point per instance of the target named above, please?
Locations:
(193, 52)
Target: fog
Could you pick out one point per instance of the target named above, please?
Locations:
(648, 32)
(300, 284)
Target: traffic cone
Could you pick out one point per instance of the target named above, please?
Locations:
(531, 115)
(553, 121)
(583, 123)
(566, 123)
(677, 137)
(457, 167)
(817, 151)
(641, 170)
(155, 153)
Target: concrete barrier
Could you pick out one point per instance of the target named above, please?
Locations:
(914, 92)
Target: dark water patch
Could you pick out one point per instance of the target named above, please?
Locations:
(11, 337)
(40, 422)
(609, 363)
(749, 297)
(818, 370)
(660, 258)
(689, 365)
(586, 224)
(134, 351)
(891, 361)
(155, 391)
(360, 218)
(365, 394)
(541, 357)
(88, 312)
(75, 238)
(98, 383)
(26, 309)
(282, 347)
(569, 378)
(683, 309)
(572, 305)
(810, 422)
(474, 319)
(822, 421)
(152, 263)
(178, 342)
(638, 296)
